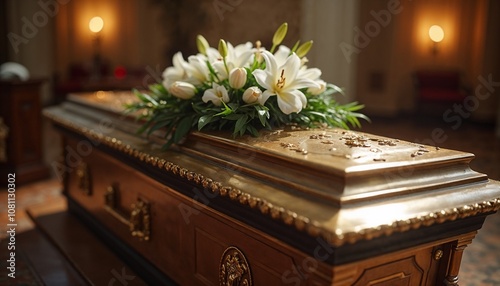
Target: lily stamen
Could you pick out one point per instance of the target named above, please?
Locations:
(281, 80)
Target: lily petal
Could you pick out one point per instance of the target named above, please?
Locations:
(217, 94)
(291, 68)
(271, 65)
(282, 54)
(300, 83)
(265, 96)
(263, 78)
(312, 73)
(291, 101)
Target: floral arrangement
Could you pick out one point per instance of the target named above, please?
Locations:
(243, 89)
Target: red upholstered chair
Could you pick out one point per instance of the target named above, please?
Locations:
(438, 89)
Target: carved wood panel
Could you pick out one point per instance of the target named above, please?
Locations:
(402, 272)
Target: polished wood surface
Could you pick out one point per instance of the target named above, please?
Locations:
(183, 209)
(188, 238)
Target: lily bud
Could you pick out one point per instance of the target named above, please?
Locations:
(320, 88)
(202, 44)
(258, 54)
(237, 78)
(252, 94)
(182, 90)
(222, 48)
(304, 49)
(280, 34)
(294, 48)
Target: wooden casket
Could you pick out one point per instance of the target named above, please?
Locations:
(291, 207)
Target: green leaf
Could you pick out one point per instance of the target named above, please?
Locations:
(232, 116)
(226, 110)
(263, 115)
(252, 130)
(233, 106)
(182, 129)
(158, 89)
(158, 125)
(213, 73)
(204, 120)
(147, 125)
(147, 98)
(239, 126)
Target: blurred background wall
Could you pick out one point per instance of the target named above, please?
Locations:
(372, 48)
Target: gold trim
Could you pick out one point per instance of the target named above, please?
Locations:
(83, 176)
(234, 269)
(111, 196)
(277, 212)
(140, 220)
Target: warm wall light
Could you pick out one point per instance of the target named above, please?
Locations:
(436, 33)
(96, 24)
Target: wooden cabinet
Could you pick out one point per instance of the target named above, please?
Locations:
(20, 110)
(215, 211)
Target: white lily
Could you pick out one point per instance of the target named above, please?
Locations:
(318, 90)
(197, 69)
(213, 55)
(283, 81)
(217, 94)
(282, 54)
(314, 75)
(251, 94)
(183, 90)
(237, 78)
(237, 57)
(176, 72)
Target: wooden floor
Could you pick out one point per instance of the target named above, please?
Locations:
(481, 262)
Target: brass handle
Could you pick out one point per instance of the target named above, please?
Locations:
(438, 254)
(139, 221)
(83, 179)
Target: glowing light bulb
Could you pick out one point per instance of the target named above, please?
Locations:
(96, 24)
(436, 33)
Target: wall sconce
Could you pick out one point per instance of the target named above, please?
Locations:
(436, 34)
(96, 25)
